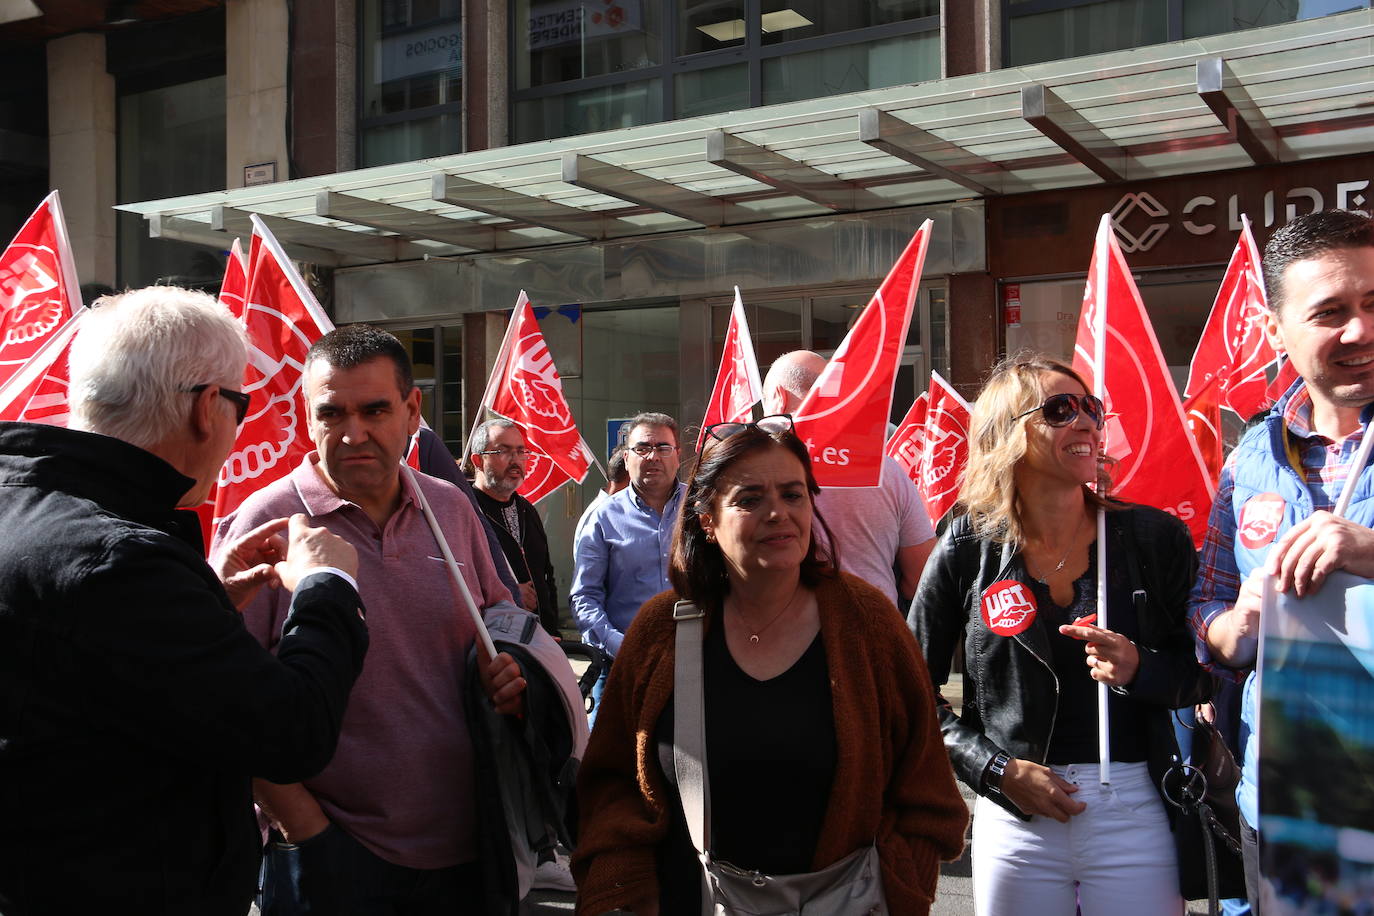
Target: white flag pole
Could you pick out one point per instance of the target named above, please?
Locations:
(1104, 751)
(451, 563)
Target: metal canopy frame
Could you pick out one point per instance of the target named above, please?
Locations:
(1285, 93)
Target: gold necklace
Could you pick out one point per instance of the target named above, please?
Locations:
(754, 636)
(1043, 580)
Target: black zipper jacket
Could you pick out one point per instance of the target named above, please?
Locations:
(1010, 690)
(134, 706)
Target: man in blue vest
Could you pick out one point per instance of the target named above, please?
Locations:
(1272, 512)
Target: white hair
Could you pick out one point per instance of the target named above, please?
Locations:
(795, 372)
(137, 354)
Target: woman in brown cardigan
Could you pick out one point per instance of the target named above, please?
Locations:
(821, 730)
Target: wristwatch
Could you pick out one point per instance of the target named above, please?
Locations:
(996, 767)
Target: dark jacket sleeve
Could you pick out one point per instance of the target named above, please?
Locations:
(168, 659)
(938, 616)
(1161, 548)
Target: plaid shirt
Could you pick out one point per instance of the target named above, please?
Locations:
(1325, 467)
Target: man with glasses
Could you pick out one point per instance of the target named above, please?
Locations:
(134, 706)
(622, 551)
(499, 454)
(883, 533)
(390, 825)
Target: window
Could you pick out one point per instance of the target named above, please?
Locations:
(578, 67)
(1039, 30)
(409, 80)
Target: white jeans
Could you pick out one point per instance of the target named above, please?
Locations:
(1117, 857)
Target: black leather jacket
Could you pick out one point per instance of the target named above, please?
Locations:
(1010, 690)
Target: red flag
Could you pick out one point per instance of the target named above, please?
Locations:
(235, 284)
(1233, 349)
(738, 387)
(843, 419)
(37, 392)
(39, 291)
(1203, 413)
(282, 320)
(945, 452)
(906, 444)
(1158, 462)
(525, 387)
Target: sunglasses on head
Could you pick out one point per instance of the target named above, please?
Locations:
(1062, 409)
(239, 399)
(777, 423)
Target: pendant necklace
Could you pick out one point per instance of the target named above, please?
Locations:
(1043, 580)
(754, 636)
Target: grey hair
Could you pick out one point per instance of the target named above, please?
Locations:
(790, 375)
(653, 418)
(136, 355)
(482, 438)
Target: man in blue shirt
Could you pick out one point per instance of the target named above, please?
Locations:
(1272, 508)
(621, 552)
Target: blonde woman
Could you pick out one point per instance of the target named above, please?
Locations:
(1016, 579)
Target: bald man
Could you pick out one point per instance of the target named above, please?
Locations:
(883, 533)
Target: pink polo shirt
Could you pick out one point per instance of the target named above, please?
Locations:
(402, 780)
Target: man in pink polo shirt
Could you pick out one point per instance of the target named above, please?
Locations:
(389, 826)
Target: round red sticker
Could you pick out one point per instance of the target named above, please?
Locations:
(1260, 519)
(1008, 607)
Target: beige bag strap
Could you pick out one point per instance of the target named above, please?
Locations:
(689, 724)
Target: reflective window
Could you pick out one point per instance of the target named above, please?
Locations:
(171, 142)
(851, 68)
(410, 86)
(1042, 30)
(579, 68)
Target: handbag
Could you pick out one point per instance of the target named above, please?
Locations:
(1208, 830)
(849, 887)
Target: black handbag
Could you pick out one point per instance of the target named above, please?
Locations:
(1207, 830)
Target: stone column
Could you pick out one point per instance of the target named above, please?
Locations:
(255, 98)
(975, 330)
(970, 36)
(81, 150)
(486, 98)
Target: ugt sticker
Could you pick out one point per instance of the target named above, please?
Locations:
(1008, 607)
(1260, 518)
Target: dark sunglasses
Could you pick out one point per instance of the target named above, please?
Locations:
(1062, 409)
(239, 399)
(775, 424)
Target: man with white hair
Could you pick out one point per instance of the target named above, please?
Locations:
(883, 533)
(134, 706)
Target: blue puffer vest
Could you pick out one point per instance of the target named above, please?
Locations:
(1271, 496)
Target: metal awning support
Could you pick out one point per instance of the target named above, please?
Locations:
(489, 199)
(625, 184)
(198, 233)
(761, 164)
(1224, 94)
(1071, 132)
(369, 247)
(413, 224)
(929, 153)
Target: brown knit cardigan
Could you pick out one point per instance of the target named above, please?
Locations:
(893, 780)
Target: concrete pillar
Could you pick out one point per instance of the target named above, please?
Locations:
(324, 88)
(486, 99)
(81, 150)
(255, 95)
(970, 36)
(483, 333)
(975, 331)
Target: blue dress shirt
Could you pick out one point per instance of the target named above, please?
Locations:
(621, 557)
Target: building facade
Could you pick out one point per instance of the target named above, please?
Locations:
(628, 162)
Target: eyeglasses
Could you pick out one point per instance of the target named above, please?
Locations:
(521, 453)
(239, 399)
(645, 449)
(774, 424)
(1062, 409)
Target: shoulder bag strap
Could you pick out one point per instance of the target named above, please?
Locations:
(689, 724)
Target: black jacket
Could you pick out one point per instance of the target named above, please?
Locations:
(1010, 690)
(134, 706)
(530, 559)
